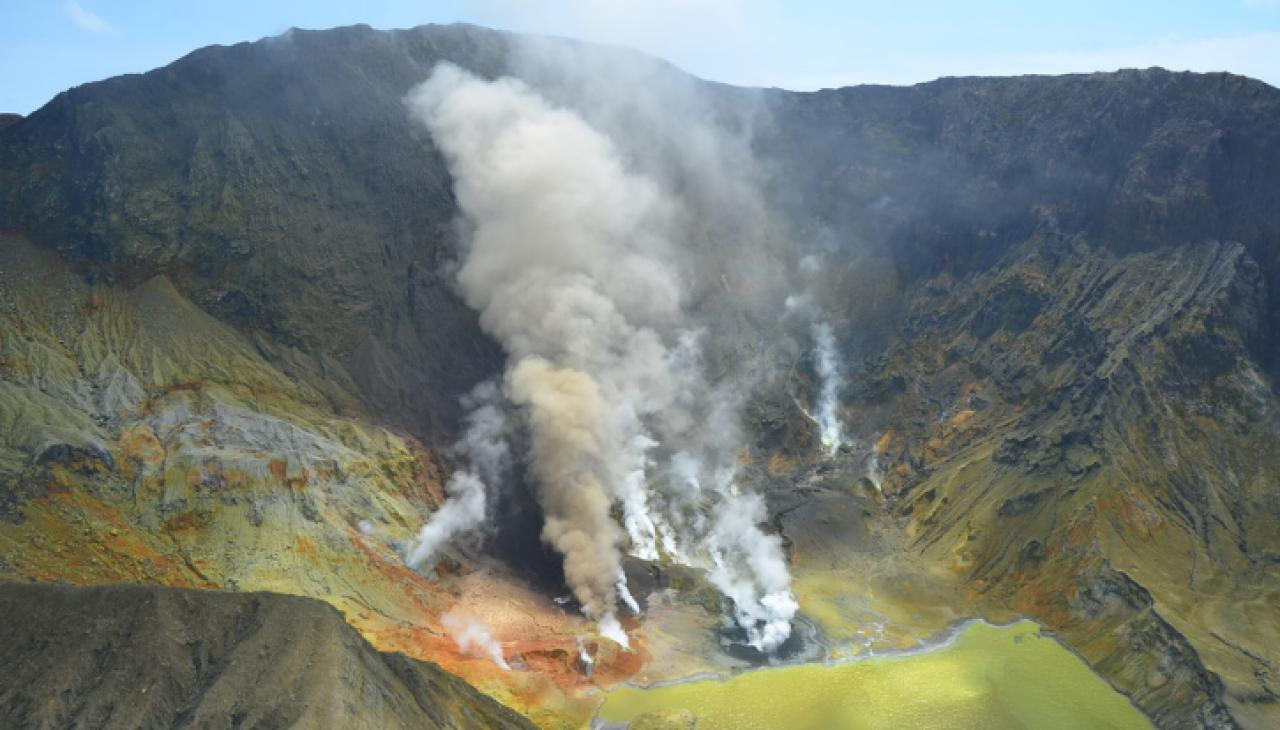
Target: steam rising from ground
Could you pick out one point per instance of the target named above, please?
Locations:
(585, 659)
(473, 637)
(573, 261)
(827, 365)
(488, 457)
(826, 360)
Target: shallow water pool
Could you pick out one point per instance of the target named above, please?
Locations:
(986, 677)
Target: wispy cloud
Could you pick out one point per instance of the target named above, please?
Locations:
(85, 19)
(697, 34)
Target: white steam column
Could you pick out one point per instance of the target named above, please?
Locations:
(572, 262)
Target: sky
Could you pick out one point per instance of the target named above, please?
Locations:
(50, 45)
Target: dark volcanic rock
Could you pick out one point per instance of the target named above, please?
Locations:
(1130, 425)
(950, 175)
(283, 187)
(133, 656)
(1075, 310)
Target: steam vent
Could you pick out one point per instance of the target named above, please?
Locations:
(456, 378)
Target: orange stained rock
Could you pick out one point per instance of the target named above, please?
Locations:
(119, 552)
(138, 445)
(1137, 516)
(306, 547)
(779, 464)
(538, 639)
(425, 482)
(279, 469)
(398, 576)
(962, 417)
(184, 522)
(87, 540)
(882, 446)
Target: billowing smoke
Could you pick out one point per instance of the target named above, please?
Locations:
(474, 638)
(573, 261)
(569, 421)
(488, 457)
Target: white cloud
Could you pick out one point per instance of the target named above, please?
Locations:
(85, 19)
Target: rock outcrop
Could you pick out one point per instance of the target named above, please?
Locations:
(144, 656)
(230, 354)
(1085, 438)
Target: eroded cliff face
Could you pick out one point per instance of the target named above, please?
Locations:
(1085, 438)
(230, 357)
(1074, 410)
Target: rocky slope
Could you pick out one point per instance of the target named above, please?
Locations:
(142, 656)
(144, 441)
(230, 357)
(1100, 461)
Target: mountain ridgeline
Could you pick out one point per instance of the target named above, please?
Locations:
(1059, 298)
(204, 659)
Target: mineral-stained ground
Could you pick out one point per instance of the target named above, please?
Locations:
(230, 358)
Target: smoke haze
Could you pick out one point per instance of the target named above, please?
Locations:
(580, 267)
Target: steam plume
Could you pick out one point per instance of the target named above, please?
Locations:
(826, 360)
(828, 368)
(585, 659)
(473, 637)
(572, 262)
(488, 457)
(757, 580)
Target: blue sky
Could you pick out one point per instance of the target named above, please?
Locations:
(49, 45)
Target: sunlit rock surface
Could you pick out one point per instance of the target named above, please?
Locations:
(146, 442)
(230, 358)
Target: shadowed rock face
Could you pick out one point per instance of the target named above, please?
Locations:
(1061, 292)
(144, 656)
(951, 174)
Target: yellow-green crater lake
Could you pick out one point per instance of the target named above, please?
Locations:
(986, 677)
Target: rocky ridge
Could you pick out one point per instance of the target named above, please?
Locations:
(144, 656)
(228, 338)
